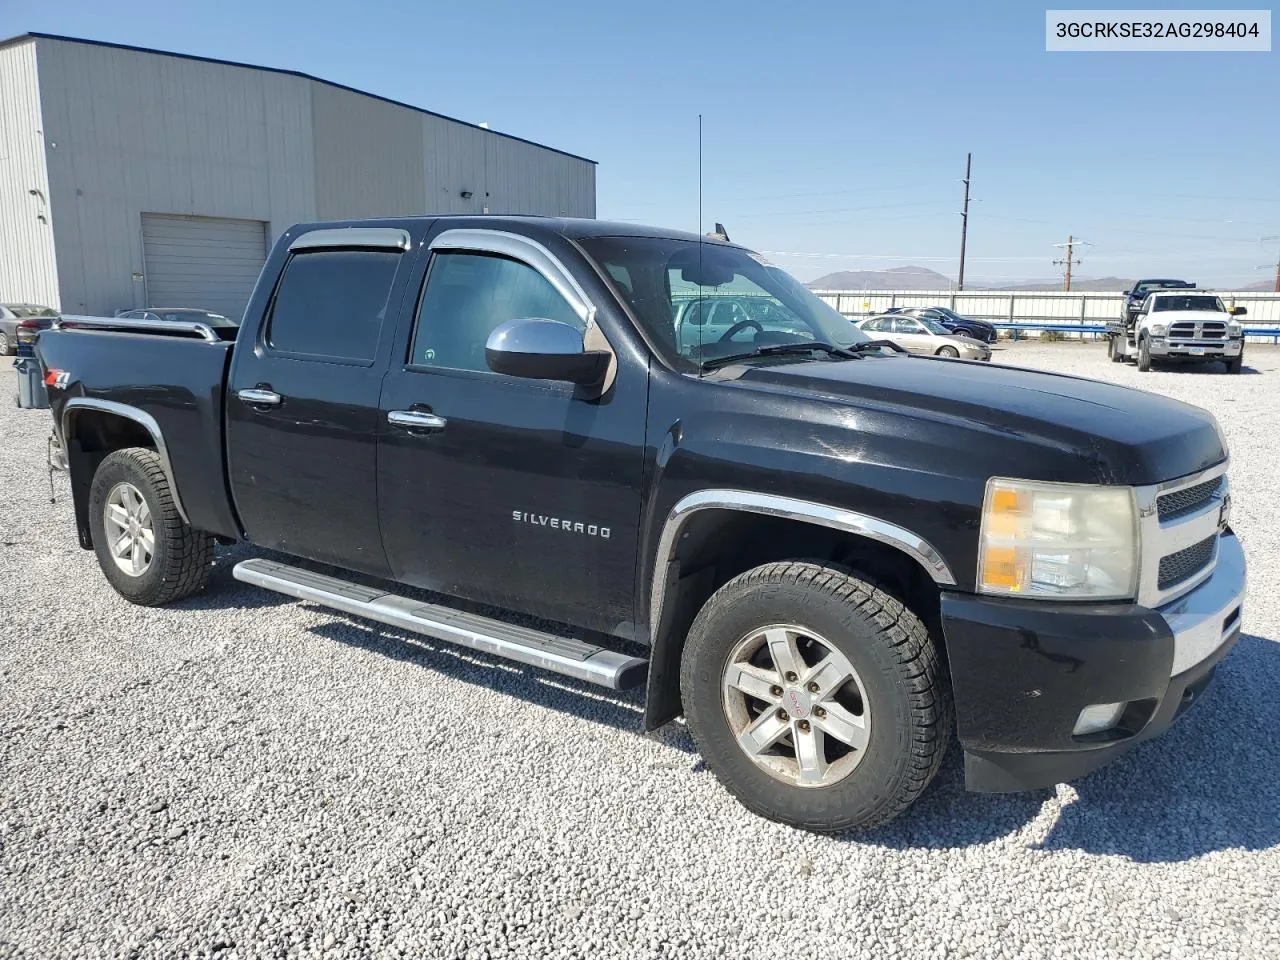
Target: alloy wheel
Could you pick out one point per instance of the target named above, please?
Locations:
(796, 706)
(129, 529)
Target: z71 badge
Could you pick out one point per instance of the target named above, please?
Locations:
(559, 523)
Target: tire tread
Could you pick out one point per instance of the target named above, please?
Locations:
(919, 669)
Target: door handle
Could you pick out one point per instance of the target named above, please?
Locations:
(260, 398)
(416, 420)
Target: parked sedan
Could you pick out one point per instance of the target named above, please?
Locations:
(28, 316)
(924, 336)
(957, 323)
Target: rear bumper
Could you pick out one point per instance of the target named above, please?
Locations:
(1022, 671)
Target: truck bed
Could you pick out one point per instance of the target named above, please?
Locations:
(177, 377)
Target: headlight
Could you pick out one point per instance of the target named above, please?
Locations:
(1058, 540)
(1158, 329)
(1234, 330)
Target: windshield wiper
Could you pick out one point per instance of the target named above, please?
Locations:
(784, 349)
(870, 345)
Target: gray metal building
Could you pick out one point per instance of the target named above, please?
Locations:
(133, 177)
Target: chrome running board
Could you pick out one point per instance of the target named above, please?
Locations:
(562, 655)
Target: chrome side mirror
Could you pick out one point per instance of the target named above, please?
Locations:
(540, 349)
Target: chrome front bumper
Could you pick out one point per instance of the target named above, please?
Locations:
(1163, 347)
(1206, 618)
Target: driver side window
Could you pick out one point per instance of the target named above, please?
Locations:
(467, 295)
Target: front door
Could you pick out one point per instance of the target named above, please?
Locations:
(302, 405)
(910, 334)
(523, 494)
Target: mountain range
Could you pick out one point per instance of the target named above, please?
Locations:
(922, 278)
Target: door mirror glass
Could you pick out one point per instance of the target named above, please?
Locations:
(1238, 311)
(541, 349)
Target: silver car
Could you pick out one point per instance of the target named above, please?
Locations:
(919, 335)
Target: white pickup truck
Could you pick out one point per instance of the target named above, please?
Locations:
(1180, 326)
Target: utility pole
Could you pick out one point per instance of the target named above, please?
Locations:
(964, 217)
(1268, 240)
(1069, 262)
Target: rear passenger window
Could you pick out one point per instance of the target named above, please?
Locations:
(467, 295)
(331, 303)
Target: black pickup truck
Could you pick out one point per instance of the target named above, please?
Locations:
(1134, 298)
(824, 554)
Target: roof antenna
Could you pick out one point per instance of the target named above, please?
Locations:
(701, 309)
(720, 233)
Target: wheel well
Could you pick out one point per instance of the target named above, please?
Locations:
(716, 545)
(91, 436)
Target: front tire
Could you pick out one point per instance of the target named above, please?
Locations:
(144, 547)
(1235, 364)
(815, 698)
(1144, 355)
(949, 352)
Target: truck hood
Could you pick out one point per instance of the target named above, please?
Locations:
(1195, 316)
(1125, 436)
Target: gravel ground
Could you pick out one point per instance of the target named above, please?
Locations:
(242, 775)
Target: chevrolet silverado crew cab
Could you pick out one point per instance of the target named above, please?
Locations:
(1180, 326)
(515, 434)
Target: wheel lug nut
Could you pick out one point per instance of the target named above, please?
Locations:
(791, 677)
(804, 725)
(819, 712)
(782, 715)
(776, 690)
(813, 687)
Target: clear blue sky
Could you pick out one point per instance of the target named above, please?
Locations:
(830, 128)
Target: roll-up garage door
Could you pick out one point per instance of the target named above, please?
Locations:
(202, 262)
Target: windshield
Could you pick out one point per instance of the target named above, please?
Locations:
(27, 311)
(1160, 285)
(705, 301)
(1200, 302)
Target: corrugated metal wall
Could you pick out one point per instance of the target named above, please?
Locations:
(453, 164)
(129, 132)
(28, 270)
(526, 179)
(356, 136)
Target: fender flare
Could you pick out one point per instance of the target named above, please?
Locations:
(662, 691)
(836, 518)
(140, 417)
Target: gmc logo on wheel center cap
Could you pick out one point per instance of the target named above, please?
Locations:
(798, 703)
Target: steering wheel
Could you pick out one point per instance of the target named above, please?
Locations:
(739, 327)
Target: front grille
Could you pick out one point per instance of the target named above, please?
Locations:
(1206, 330)
(1182, 502)
(1179, 566)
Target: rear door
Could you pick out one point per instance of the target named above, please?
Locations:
(302, 405)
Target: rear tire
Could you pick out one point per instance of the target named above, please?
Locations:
(827, 620)
(1115, 349)
(949, 352)
(144, 547)
(6, 348)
